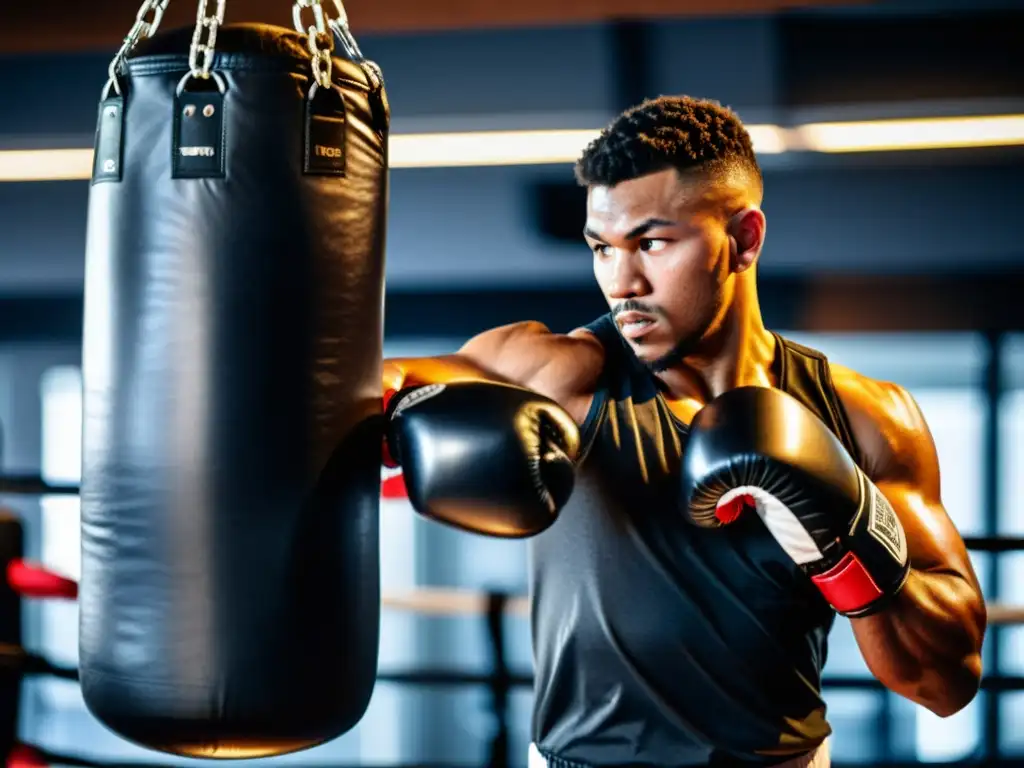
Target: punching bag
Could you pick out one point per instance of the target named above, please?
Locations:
(229, 594)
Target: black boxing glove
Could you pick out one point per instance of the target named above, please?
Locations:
(489, 458)
(759, 447)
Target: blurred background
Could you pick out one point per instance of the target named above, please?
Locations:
(896, 248)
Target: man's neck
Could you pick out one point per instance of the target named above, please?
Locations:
(739, 352)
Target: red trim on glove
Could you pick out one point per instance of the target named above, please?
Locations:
(848, 586)
(35, 581)
(394, 488)
(23, 756)
(728, 512)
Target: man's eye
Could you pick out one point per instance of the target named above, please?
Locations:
(651, 245)
(601, 249)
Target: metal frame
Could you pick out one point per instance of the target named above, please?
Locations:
(993, 384)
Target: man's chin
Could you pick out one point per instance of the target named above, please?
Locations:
(657, 358)
(648, 353)
(650, 356)
(657, 353)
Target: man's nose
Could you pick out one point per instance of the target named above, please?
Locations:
(627, 281)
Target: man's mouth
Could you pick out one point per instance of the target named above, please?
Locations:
(634, 325)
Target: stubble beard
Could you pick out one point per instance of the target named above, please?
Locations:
(688, 345)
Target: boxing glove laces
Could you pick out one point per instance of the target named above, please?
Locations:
(758, 447)
(489, 458)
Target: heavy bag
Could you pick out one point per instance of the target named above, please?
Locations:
(232, 391)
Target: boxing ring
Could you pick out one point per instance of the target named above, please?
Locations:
(27, 580)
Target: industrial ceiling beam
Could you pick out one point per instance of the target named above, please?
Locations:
(63, 25)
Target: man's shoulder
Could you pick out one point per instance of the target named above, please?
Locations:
(886, 420)
(563, 366)
(862, 390)
(532, 341)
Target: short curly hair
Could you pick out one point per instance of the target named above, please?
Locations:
(679, 132)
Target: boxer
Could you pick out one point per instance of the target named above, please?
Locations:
(734, 491)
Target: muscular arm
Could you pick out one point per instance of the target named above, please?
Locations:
(926, 645)
(563, 367)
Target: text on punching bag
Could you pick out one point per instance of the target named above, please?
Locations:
(199, 135)
(325, 133)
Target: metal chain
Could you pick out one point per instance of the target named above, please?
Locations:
(340, 26)
(348, 40)
(142, 28)
(319, 36)
(204, 40)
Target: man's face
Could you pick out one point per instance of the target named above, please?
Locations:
(661, 258)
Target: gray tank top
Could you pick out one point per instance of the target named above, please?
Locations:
(658, 643)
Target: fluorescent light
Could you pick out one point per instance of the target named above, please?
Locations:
(435, 150)
(489, 148)
(45, 164)
(923, 133)
(767, 139)
(479, 148)
(410, 150)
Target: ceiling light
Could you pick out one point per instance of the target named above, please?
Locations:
(497, 148)
(922, 133)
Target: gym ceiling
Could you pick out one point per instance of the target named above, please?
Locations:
(80, 26)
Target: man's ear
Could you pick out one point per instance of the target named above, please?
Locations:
(746, 230)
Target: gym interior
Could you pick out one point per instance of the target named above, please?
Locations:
(891, 135)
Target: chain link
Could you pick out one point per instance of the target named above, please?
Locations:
(340, 26)
(319, 36)
(143, 27)
(204, 40)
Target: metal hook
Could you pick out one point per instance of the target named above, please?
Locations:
(216, 77)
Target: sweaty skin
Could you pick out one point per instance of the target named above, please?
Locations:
(926, 646)
(679, 252)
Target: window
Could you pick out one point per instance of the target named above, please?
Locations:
(61, 403)
(854, 717)
(448, 558)
(1011, 439)
(943, 372)
(1011, 523)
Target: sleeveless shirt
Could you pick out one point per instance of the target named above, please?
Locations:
(658, 643)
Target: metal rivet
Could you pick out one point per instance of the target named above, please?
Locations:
(109, 166)
(190, 109)
(208, 110)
